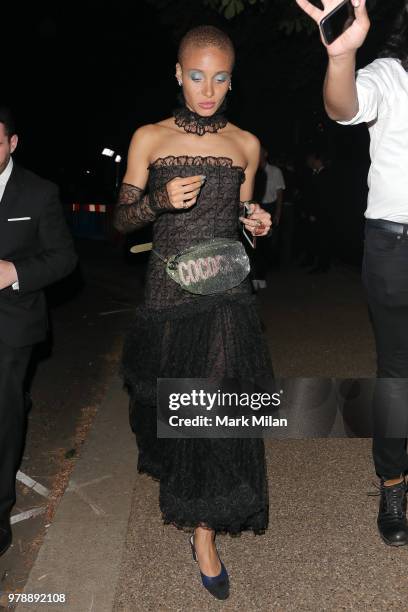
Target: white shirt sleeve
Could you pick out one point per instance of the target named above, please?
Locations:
(371, 83)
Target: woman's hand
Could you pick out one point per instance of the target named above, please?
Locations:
(353, 37)
(259, 222)
(183, 191)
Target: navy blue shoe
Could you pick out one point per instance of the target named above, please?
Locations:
(218, 586)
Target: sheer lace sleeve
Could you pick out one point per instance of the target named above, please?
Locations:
(135, 209)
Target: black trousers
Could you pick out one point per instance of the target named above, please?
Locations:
(385, 276)
(13, 368)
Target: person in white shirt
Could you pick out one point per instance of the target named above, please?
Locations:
(379, 97)
(274, 187)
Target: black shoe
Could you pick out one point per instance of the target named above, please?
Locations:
(392, 521)
(5, 539)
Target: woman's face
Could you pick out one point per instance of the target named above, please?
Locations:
(206, 75)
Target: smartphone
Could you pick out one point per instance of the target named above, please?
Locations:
(251, 239)
(335, 23)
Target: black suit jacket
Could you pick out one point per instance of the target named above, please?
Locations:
(41, 249)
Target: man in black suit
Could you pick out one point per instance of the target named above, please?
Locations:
(36, 249)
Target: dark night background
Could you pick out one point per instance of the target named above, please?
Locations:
(83, 76)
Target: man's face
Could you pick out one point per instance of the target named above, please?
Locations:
(7, 146)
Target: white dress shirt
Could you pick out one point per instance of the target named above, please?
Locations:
(274, 181)
(382, 89)
(4, 177)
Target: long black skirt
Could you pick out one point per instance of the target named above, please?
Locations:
(215, 483)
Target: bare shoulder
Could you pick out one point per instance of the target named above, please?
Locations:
(151, 134)
(146, 139)
(249, 142)
(144, 134)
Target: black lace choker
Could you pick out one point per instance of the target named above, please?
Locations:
(196, 124)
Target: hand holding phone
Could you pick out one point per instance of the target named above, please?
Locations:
(256, 221)
(343, 24)
(247, 213)
(335, 23)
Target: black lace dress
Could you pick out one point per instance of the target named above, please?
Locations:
(218, 483)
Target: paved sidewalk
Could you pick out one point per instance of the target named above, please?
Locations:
(82, 550)
(108, 550)
(320, 553)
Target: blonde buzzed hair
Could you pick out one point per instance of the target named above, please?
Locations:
(206, 36)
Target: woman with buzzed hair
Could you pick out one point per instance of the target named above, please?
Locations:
(200, 171)
(206, 36)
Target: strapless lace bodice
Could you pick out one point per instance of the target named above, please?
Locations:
(215, 214)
